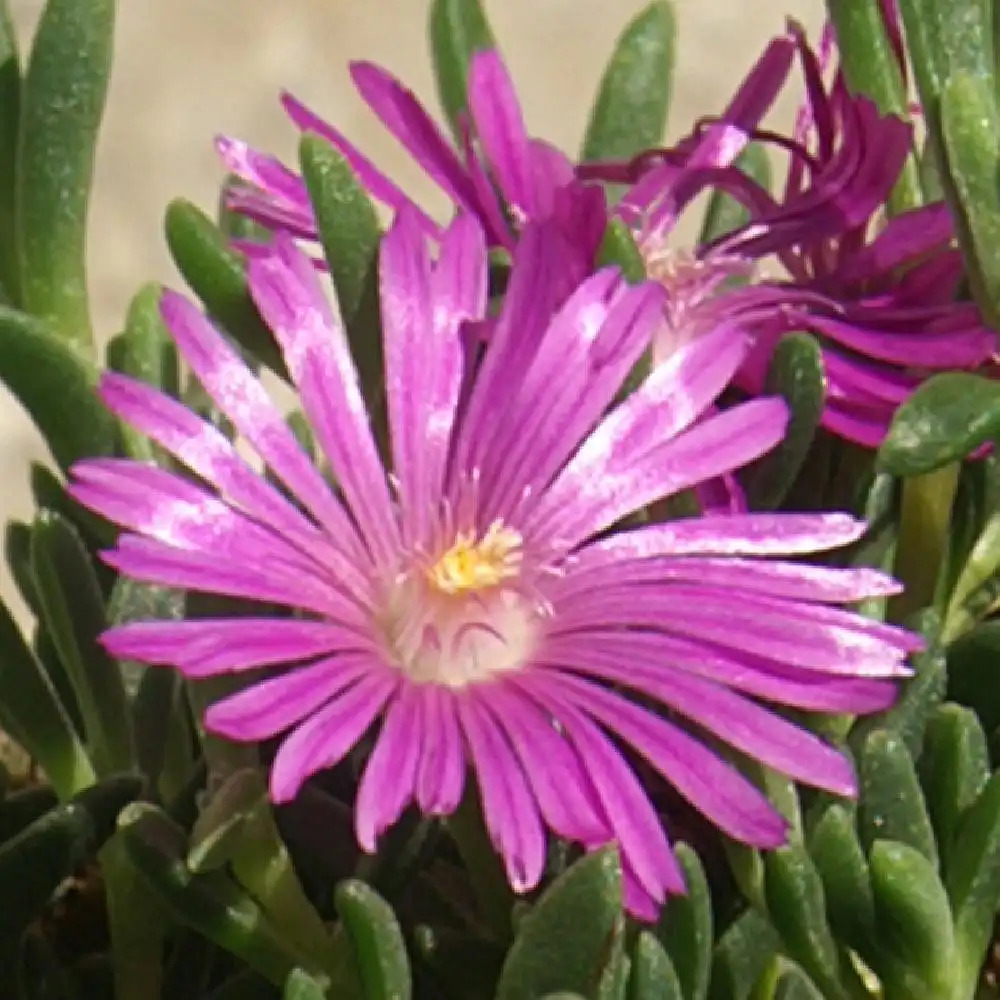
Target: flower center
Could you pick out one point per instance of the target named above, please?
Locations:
(466, 616)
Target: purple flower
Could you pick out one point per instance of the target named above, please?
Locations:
(500, 174)
(881, 296)
(474, 603)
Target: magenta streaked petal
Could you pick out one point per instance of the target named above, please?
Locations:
(272, 706)
(267, 173)
(404, 116)
(756, 534)
(331, 732)
(639, 903)
(243, 399)
(511, 814)
(865, 427)
(500, 126)
(636, 827)
(440, 776)
(387, 785)
(714, 788)
(286, 290)
(203, 647)
(369, 176)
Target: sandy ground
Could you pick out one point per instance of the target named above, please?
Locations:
(188, 69)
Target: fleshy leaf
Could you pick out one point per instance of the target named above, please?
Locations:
(55, 385)
(653, 976)
(62, 104)
(795, 374)
(10, 113)
(686, 927)
(561, 943)
(947, 418)
(741, 955)
(973, 674)
(458, 29)
(630, 112)
(301, 986)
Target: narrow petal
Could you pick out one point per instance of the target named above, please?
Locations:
(324, 739)
(387, 785)
(203, 647)
(441, 772)
(272, 706)
(511, 814)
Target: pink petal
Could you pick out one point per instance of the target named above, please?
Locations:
(441, 772)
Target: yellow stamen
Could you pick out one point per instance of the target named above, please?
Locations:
(470, 565)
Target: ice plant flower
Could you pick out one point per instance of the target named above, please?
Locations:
(500, 174)
(881, 296)
(474, 607)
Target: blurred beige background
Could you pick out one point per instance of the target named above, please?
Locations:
(187, 69)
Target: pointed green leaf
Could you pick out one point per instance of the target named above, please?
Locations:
(794, 984)
(10, 114)
(217, 275)
(973, 878)
(916, 942)
(796, 374)
(73, 609)
(55, 385)
(62, 104)
(31, 712)
(47, 852)
(685, 927)
(947, 418)
(301, 986)
(797, 907)
(630, 111)
(725, 214)
(653, 975)
(458, 29)
(970, 124)
(562, 944)
(618, 249)
(349, 231)
(891, 803)
(146, 352)
(954, 768)
(974, 672)
(377, 941)
(741, 956)
(870, 67)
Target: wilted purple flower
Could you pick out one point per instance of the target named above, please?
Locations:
(881, 296)
(500, 174)
(474, 602)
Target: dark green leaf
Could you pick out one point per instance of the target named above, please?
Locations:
(954, 768)
(17, 551)
(10, 113)
(55, 385)
(458, 29)
(22, 808)
(947, 418)
(794, 984)
(797, 907)
(630, 111)
(685, 928)
(981, 566)
(61, 108)
(618, 249)
(836, 852)
(916, 942)
(653, 975)
(891, 802)
(31, 712)
(563, 944)
(725, 214)
(301, 986)
(973, 878)
(217, 275)
(350, 234)
(37, 860)
(970, 124)
(466, 967)
(870, 67)
(741, 956)
(974, 672)
(73, 609)
(796, 374)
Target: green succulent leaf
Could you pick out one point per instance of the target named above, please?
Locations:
(619, 249)
(796, 374)
(24, 807)
(10, 115)
(458, 29)
(49, 850)
(741, 955)
(301, 986)
(630, 112)
(915, 941)
(974, 672)
(73, 610)
(891, 802)
(562, 944)
(653, 975)
(217, 275)
(62, 104)
(794, 984)
(947, 418)
(55, 385)
(686, 927)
